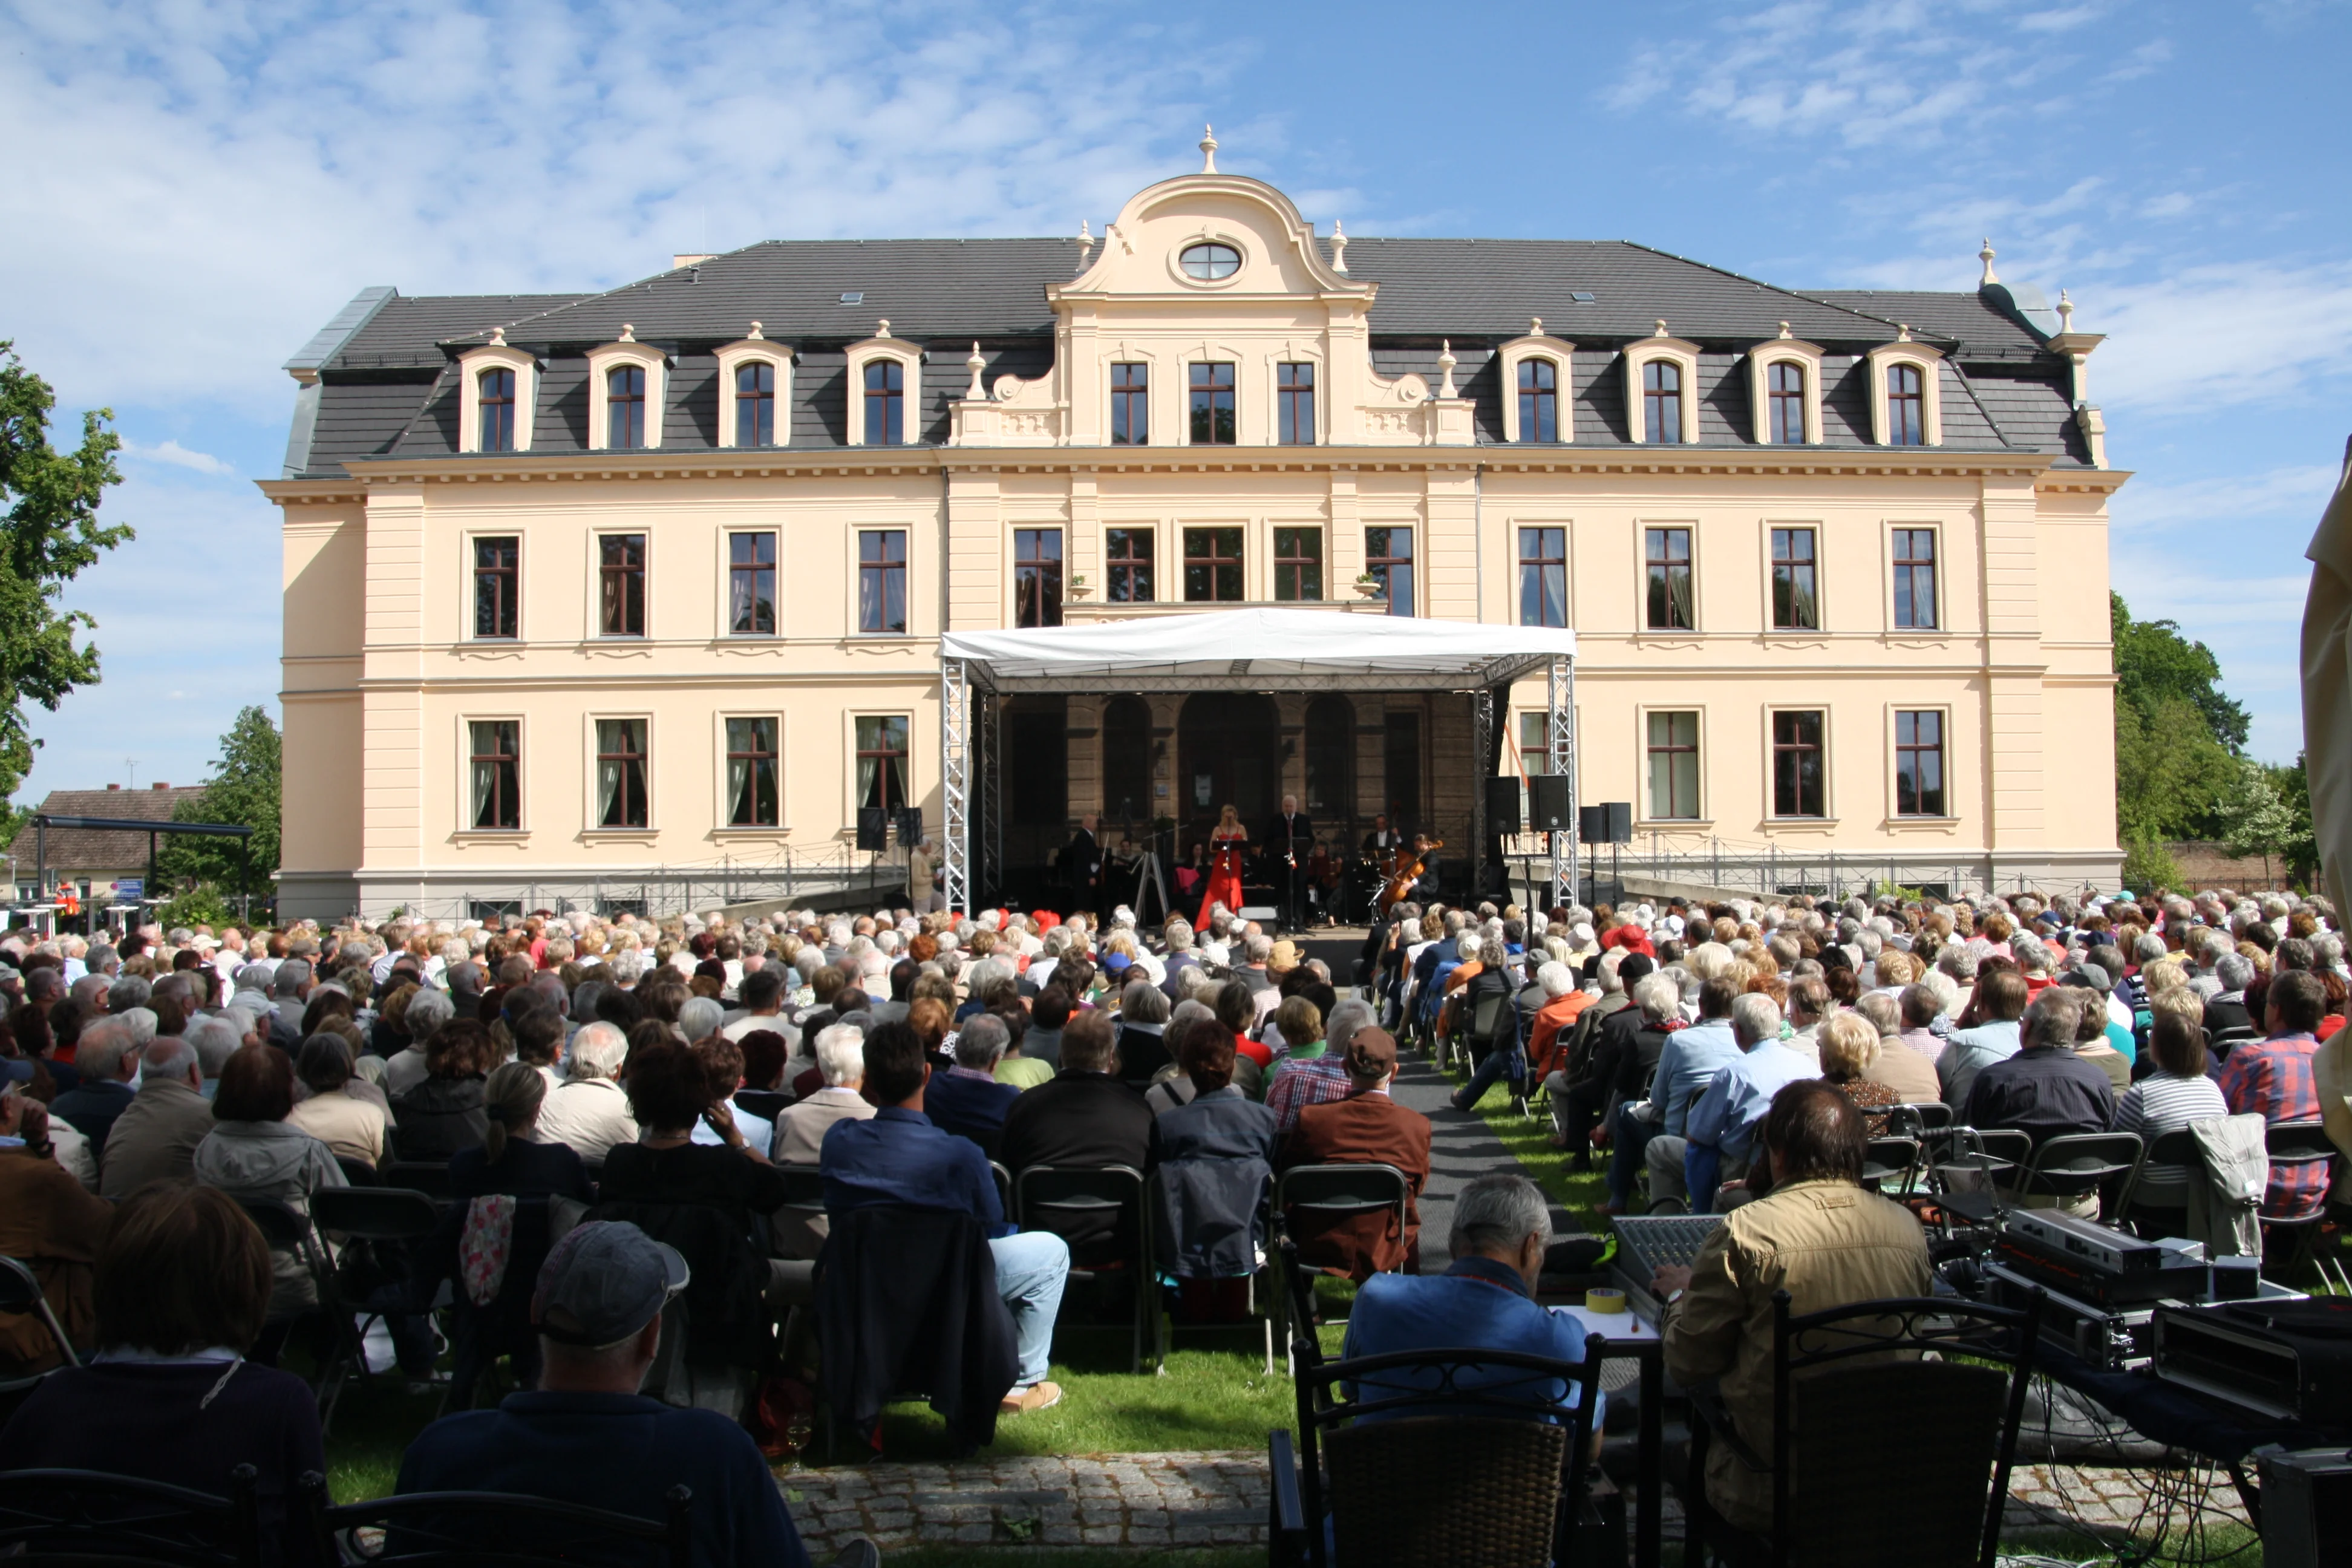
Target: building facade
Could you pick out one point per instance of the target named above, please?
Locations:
(634, 598)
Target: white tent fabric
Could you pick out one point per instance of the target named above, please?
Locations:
(2327, 687)
(1266, 646)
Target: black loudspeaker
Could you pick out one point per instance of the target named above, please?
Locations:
(1621, 822)
(1593, 825)
(873, 828)
(910, 826)
(2306, 1506)
(1502, 805)
(1548, 803)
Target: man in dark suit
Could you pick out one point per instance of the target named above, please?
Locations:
(104, 1057)
(1085, 1117)
(1082, 863)
(1290, 844)
(1367, 1128)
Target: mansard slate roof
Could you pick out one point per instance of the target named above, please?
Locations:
(389, 387)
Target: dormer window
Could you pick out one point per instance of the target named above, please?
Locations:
(1785, 413)
(755, 381)
(1538, 400)
(886, 404)
(1662, 402)
(624, 408)
(496, 404)
(885, 382)
(755, 404)
(1209, 263)
(1906, 406)
(1906, 398)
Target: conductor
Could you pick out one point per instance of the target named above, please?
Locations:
(1290, 844)
(1082, 863)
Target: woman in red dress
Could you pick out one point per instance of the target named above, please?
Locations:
(1225, 843)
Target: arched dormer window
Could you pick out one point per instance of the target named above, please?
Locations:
(628, 384)
(1784, 389)
(1662, 389)
(886, 380)
(1907, 404)
(1537, 388)
(755, 392)
(498, 387)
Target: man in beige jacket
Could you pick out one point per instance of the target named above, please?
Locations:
(1818, 1235)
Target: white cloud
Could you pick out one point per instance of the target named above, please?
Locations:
(2172, 203)
(177, 455)
(2226, 333)
(2060, 21)
(2289, 495)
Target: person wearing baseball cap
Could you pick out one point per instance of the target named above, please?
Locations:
(1366, 1127)
(586, 1436)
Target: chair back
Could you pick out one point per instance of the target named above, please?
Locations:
(2298, 1145)
(1914, 1118)
(1890, 1160)
(379, 1214)
(430, 1530)
(359, 1173)
(1342, 1189)
(1003, 1176)
(2220, 1041)
(1062, 1198)
(88, 1516)
(2176, 1148)
(767, 1104)
(2077, 1163)
(804, 1203)
(1490, 1007)
(1994, 1154)
(20, 1294)
(430, 1177)
(281, 1226)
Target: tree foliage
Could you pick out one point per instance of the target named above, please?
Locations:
(244, 789)
(2255, 817)
(2155, 664)
(50, 533)
(2169, 771)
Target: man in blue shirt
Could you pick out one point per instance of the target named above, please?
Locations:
(586, 1436)
(1686, 1065)
(1486, 1301)
(899, 1157)
(1721, 1128)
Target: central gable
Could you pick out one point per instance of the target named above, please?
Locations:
(1142, 250)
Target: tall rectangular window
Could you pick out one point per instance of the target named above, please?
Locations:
(1130, 405)
(497, 398)
(1785, 421)
(1920, 763)
(1213, 404)
(1388, 555)
(1299, 564)
(1213, 565)
(1538, 400)
(495, 769)
(1662, 402)
(1906, 406)
(752, 797)
(1535, 757)
(752, 584)
(621, 578)
(1674, 766)
(882, 762)
(755, 404)
(497, 610)
(882, 580)
(621, 772)
(885, 403)
(1914, 578)
(1543, 576)
(1293, 405)
(624, 408)
(1668, 559)
(1128, 558)
(1036, 576)
(1798, 789)
(1796, 602)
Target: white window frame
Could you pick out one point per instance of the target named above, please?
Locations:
(750, 350)
(1761, 360)
(1642, 352)
(498, 354)
(1951, 815)
(465, 632)
(1643, 802)
(1829, 817)
(1820, 575)
(916, 791)
(592, 827)
(908, 355)
(720, 824)
(1641, 626)
(723, 617)
(606, 358)
(1943, 626)
(1562, 354)
(1903, 350)
(593, 619)
(465, 828)
(914, 599)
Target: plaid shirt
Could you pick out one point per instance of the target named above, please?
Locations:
(2274, 1077)
(1300, 1083)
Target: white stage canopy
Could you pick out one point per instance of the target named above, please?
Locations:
(1258, 649)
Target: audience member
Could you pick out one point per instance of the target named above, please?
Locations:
(351, 1128)
(1721, 1127)
(2000, 998)
(512, 1159)
(1365, 1128)
(252, 1155)
(105, 1059)
(590, 1113)
(53, 1225)
(967, 1100)
(1687, 1064)
(1216, 1163)
(2044, 1091)
(2273, 1076)
(443, 1113)
(800, 1130)
(156, 1137)
(2176, 1094)
(1085, 1117)
(1908, 1073)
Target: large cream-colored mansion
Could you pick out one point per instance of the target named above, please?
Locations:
(635, 596)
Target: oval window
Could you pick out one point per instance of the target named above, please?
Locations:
(1210, 262)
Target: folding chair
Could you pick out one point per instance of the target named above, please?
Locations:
(286, 1230)
(1891, 1159)
(388, 1217)
(20, 1295)
(1336, 1190)
(2067, 1167)
(1049, 1197)
(1258, 1278)
(2170, 1151)
(2298, 1146)
(430, 1177)
(90, 1517)
(803, 1201)
(1974, 1167)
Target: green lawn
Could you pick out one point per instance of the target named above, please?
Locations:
(1530, 1140)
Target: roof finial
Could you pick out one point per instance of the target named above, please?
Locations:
(1445, 363)
(1785, 333)
(1339, 246)
(975, 393)
(882, 329)
(2066, 311)
(1208, 148)
(1903, 331)
(1085, 245)
(1535, 326)
(1662, 331)
(1985, 255)
(628, 333)
(755, 335)
(497, 337)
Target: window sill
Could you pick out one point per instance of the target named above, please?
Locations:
(619, 835)
(491, 835)
(1893, 823)
(1786, 822)
(749, 830)
(1674, 824)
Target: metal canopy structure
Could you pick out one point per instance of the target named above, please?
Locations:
(1253, 650)
(42, 821)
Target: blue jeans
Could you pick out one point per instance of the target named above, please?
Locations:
(1499, 1062)
(1031, 1270)
(1625, 1157)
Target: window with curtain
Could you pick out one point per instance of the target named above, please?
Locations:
(755, 404)
(882, 760)
(1919, 762)
(1796, 605)
(1798, 785)
(752, 797)
(882, 580)
(1914, 578)
(621, 795)
(620, 573)
(1662, 402)
(1299, 564)
(495, 771)
(624, 408)
(1538, 400)
(497, 398)
(1674, 766)
(1668, 553)
(1543, 576)
(752, 584)
(1388, 555)
(1535, 757)
(1785, 418)
(885, 403)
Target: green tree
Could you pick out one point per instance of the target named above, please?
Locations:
(50, 533)
(2154, 664)
(244, 790)
(2170, 772)
(2255, 817)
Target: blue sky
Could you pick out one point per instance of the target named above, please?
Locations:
(195, 188)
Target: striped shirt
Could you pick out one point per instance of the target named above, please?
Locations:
(2166, 1103)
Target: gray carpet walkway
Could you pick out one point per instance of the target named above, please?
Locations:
(1462, 1148)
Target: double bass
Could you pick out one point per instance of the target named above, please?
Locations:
(1404, 870)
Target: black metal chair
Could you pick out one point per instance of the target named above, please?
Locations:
(458, 1530)
(1003, 1186)
(2218, 1043)
(1338, 1191)
(20, 1295)
(385, 1218)
(88, 1517)
(2296, 1146)
(1892, 1160)
(1053, 1197)
(1164, 1246)
(2072, 1165)
(1970, 1168)
(803, 1201)
(2177, 1150)
(1860, 1409)
(430, 1177)
(1915, 1117)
